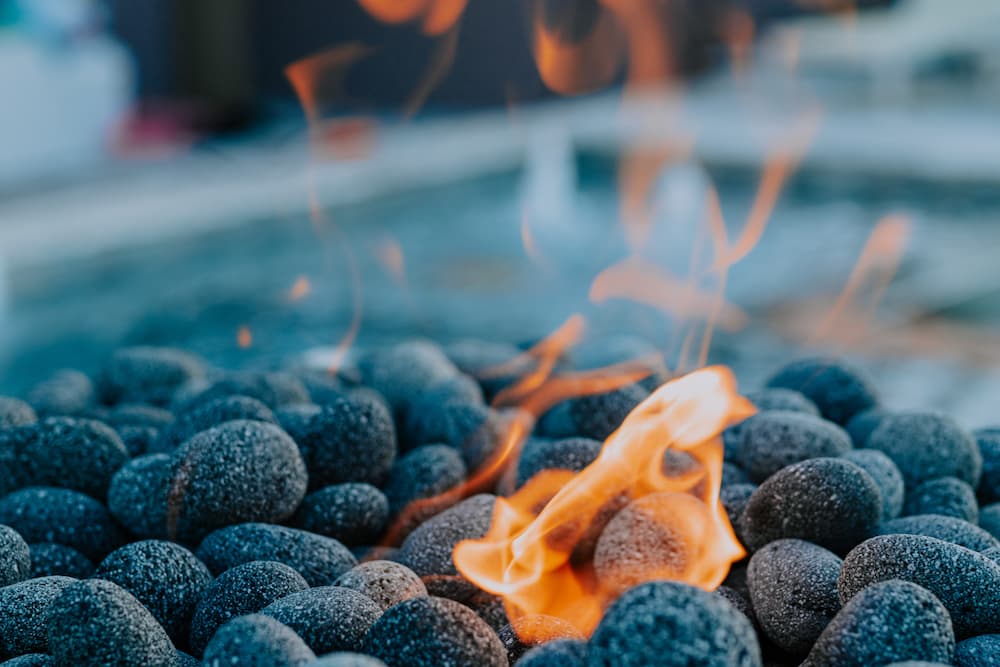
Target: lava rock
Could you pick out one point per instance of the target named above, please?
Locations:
(295, 419)
(773, 440)
(274, 390)
(137, 497)
(50, 559)
(470, 428)
(837, 389)
(401, 372)
(927, 446)
(966, 582)
(237, 472)
(793, 587)
(993, 555)
(981, 651)
(96, 622)
(540, 629)
(43, 514)
(573, 454)
(244, 589)
(147, 375)
(782, 400)
(944, 528)
(256, 641)
(15, 412)
(138, 440)
(598, 415)
(668, 623)
(320, 560)
(739, 600)
(886, 475)
(138, 414)
(989, 520)
(863, 424)
(353, 513)
(31, 660)
(351, 440)
(204, 416)
(827, 501)
(386, 582)
(989, 447)
(460, 389)
(328, 618)
(23, 609)
(733, 474)
(66, 393)
(484, 360)
(15, 557)
(556, 423)
(886, 622)
(558, 653)
(165, 577)
(734, 500)
(430, 631)
(947, 496)
(425, 472)
(346, 659)
(427, 550)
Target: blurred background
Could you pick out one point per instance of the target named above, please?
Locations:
(248, 178)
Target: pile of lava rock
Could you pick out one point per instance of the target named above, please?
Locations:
(169, 513)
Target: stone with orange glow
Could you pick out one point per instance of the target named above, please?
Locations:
(531, 631)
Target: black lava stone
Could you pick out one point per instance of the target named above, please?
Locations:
(539, 629)
(15, 412)
(863, 424)
(51, 559)
(138, 440)
(295, 418)
(427, 550)
(470, 428)
(782, 399)
(886, 476)
(256, 641)
(429, 632)
(966, 582)
(989, 520)
(926, 446)
(138, 494)
(320, 560)
(572, 454)
(947, 528)
(732, 474)
(793, 586)
(204, 416)
(386, 582)
(236, 472)
(827, 501)
(772, 440)
(673, 624)
(23, 609)
(44, 514)
(138, 414)
(738, 599)
(837, 389)
(989, 448)
(328, 618)
(993, 554)
(67, 392)
(274, 390)
(147, 375)
(403, 371)
(460, 389)
(165, 577)
(425, 472)
(886, 622)
(948, 496)
(352, 439)
(597, 416)
(558, 653)
(15, 557)
(981, 651)
(95, 622)
(353, 513)
(734, 499)
(347, 659)
(244, 589)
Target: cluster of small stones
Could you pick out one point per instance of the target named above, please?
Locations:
(165, 513)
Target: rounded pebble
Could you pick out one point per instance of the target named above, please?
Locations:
(927, 446)
(51, 559)
(427, 550)
(558, 653)
(734, 500)
(966, 582)
(328, 618)
(401, 372)
(424, 472)
(782, 399)
(981, 651)
(320, 560)
(295, 419)
(598, 415)
(674, 625)
(470, 428)
(837, 389)
(534, 630)
(989, 448)
(138, 440)
(147, 375)
(44, 514)
(256, 641)
(773, 440)
(886, 475)
(15, 557)
(989, 520)
(863, 424)
(733, 474)
(346, 659)
(352, 439)
(572, 454)
(429, 631)
(15, 412)
(274, 390)
(31, 660)
(204, 416)
(353, 513)
(386, 582)
(948, 496)
(78, 454)
(23, 609)
(137, 497)
(944, 528)
(66, 393)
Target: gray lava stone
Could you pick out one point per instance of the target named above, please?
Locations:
(386, 582)
(981, 651)
(425, 472)
(558, 653)
(51, 559)
(320, 560)
(23, 609)
(838, 390)
(782, 399)
(734, 500)
(673, 624)
(95, 622)
(434, 632)
(204, 416)
(827, 501)
(598, 415)
(863, 424)
(328, 618)
(15, 557)
(31, 660)
(886, 622)
(948, 496)
(352, 439)
(540, 629)
(15, 412)
(165, 577)
(236, 472)
(256, 641)
(886, 476)
(793, 586)
(966, 582)
(401, 372)
(773, 440)
(43, 514)
(354, 513)
(274, 390)
(927, 446)
(244, 589)
(427, 550)
(147, 375)
(67, 392)
(989, 448)
(346, 659)
(470, 428)
(989, 520)
(572, 454)
(137, 497)
(947, 528)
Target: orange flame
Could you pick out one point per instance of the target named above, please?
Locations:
(390, 255)
(435, 16)
(300, 289)
(244, 337)
(526, 556)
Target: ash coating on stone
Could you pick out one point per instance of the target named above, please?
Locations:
(387, 583)
(540, 628)
(427, 550)
(256, 640)
(573, 454)
(947, 496)
(926, 446)
(966, 582)
(204, 416)
(770, 441)
(887, 621)
(15, 557)
(839, 390)
(23, 610)
(353, 513)
(320, 560)
(886, 475)
(431, 631)
(328, 618)
(424, 472)
(51, 559)
(244, 589)
(146, 375)
(45, 514)
(981, 651)
(137, 497)
(596, 416)
(944, 528)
